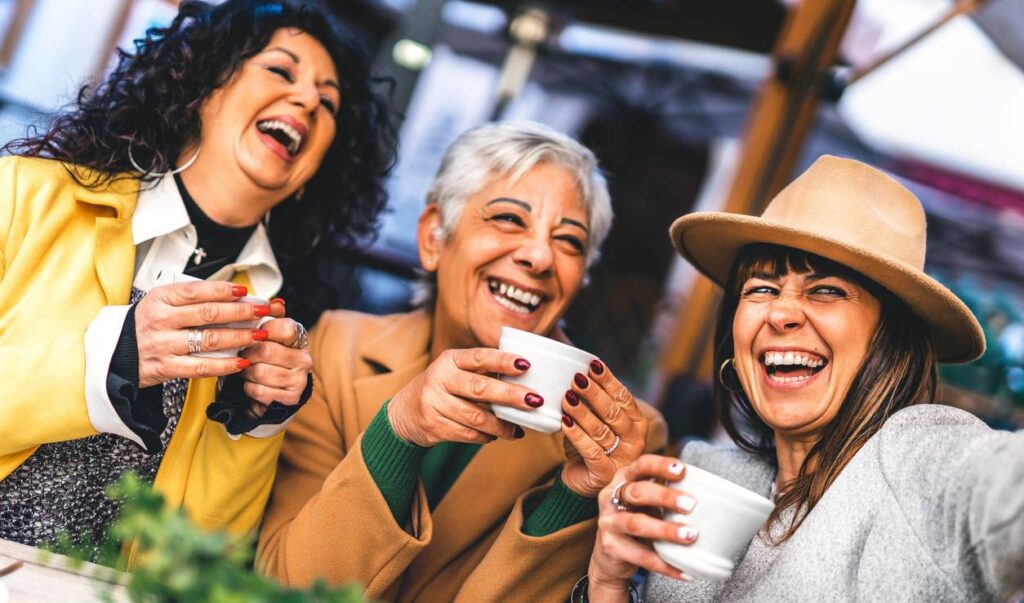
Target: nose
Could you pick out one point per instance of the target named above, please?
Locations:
(306, 96)
(787, 312)
(535, 255)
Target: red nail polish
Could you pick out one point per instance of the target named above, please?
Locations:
(262, 311)
(521, 364)
(519, 433)
(239, 291)
(277, 300)
(260, 335)
(244, 363)
(581, 380)
(534, 400)
(597, 367)
(573, 399)
(567, 420)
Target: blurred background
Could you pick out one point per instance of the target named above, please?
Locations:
(688, 105)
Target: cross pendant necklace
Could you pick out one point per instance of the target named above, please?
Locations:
(199, 254)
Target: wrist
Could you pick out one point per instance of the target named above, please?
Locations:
(588, 590)
(394, 416)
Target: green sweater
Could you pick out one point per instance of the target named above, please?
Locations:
(396, 464)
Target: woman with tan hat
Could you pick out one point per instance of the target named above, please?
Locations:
(828, 342)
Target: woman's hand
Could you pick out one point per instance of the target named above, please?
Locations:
(623, 536)
(600, 416)
(446, 402)
(163, 319)
(279, 370)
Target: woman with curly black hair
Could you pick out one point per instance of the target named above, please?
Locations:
(231, 147)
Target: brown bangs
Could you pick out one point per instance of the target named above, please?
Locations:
(768, 261)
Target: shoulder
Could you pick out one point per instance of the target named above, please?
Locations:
(927, 435)
(31, 168)
(739, 466)
(338, 325)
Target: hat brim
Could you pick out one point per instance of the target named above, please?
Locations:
(712, 240)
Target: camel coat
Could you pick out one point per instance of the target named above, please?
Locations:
(327, 518)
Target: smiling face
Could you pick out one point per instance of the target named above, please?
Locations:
(799, 340)
(270, 126)
(516, 258)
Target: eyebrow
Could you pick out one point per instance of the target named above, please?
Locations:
(295, 57)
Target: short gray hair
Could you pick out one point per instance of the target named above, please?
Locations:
(511, 149)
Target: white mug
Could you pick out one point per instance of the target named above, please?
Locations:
(727, 517)
(552, 367)
(250, 325)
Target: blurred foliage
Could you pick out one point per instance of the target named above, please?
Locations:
(179, 562)
(998, 376)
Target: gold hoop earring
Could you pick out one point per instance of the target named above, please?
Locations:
(721, 376)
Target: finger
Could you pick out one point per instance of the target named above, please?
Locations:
(591, 452)
(192, 367)
(271, 352)
(632, 552)
(640, 525)
(487, 360)
(656, 466)
(212, 339)
(215, 313)
(266, 394)
(478, 418)
(282, 330)
(276, 376)
(597, 429)
(453, 431)
(194, 292)
(484, 388)
(608, 408)
(603, 377)
(653, 494)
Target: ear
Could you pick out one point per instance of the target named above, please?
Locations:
(430, 245)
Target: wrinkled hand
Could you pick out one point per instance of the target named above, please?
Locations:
(597, 408)
(623, 537)
(279, 372)
(447, 402)
(164, 315)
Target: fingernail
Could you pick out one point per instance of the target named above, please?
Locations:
(597, 367)
(685, 577)
(676, 468)
(519, 433)
(521, 364)
(534, 400)
(581, 380)
(567, 420)
(239, 291)
(688, 533)
(573, 399)
(686, 503)
(244, 363)
(260, 335)
(262, 310)
(277, 300)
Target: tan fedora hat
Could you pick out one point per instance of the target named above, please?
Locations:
(852, 214)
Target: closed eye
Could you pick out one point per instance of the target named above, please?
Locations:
(508, 218)
(760, 290)
(285, 74)
(328, 104)
(828, 290)
(574, 242)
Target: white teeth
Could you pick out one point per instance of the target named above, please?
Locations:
(289, 131)
(510, 305)
(509, 295)
(791, 359)
(788, 358)
(502, 288)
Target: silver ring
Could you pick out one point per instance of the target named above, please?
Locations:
(195, 341)
(301, 336)
(617, 502)
(609, 450)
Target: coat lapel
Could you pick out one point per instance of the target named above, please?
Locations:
(114, 249)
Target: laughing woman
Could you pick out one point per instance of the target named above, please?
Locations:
(174, 165)
(397, 475)
(828, 342)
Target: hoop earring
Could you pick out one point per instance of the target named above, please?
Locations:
(721, 376)
(139, 169)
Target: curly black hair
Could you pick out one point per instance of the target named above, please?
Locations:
(152, 98)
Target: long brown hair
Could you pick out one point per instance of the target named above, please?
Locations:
(899, 370)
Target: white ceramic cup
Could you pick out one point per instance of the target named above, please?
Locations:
(250, 325)
(727, 517)
(552, 366)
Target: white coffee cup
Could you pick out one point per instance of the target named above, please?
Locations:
(552, 367)
(727, 517)
(252, 324)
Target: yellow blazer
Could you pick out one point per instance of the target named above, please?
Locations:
(327, 518)
(66, 251)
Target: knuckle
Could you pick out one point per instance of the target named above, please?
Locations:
(476, 419)
(633, 523)
(209, 339)
(208, 312)
(203, 369)
(478, 356)
(478, 386)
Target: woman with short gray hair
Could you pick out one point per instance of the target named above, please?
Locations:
(399, 476)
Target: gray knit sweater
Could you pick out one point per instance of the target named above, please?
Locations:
(930, 509)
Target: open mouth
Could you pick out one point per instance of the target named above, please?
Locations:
(289, 137)
(514, 298)
(792, 367)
